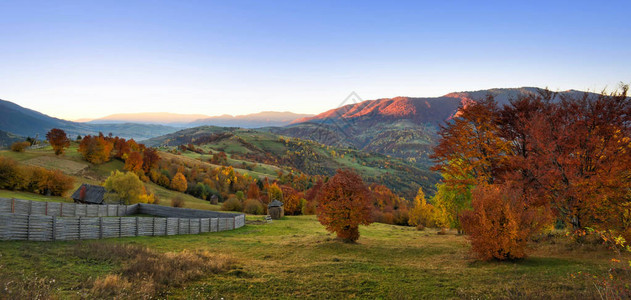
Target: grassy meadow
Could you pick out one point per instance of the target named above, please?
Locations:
(289, 258)
(296, 258)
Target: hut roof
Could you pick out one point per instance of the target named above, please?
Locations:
(93, 194)
(275, 203)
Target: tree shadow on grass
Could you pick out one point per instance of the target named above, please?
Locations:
(529, 262)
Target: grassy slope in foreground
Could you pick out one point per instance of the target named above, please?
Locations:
(296, 258)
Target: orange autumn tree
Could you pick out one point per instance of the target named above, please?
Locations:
(96, 149)
(58, 139)
(471, 149)
(344, 204)
(179, 183)
(253, 191)
(133, 162)
(291, 203)
(501, 222)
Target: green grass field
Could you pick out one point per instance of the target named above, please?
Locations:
(296, 258)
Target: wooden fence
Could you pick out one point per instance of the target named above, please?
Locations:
(52, 221)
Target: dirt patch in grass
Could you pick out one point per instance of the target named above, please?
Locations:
(50, 162)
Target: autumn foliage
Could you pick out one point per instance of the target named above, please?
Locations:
(58, 140)
(568, 154)
(344, 204)
(14, 176)
(179, 183)
(19, 146)
(501, 222)
(96, 149)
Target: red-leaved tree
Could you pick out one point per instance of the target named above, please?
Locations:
(344, 204)
(58, 140)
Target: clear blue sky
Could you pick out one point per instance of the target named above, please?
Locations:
(103, 57)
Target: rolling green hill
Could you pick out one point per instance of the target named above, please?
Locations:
(271, 152)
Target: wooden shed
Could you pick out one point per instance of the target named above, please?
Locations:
(275, 209)
(89, 194)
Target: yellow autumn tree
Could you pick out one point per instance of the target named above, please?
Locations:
(178, 182)
(127, 188)
(423, 213)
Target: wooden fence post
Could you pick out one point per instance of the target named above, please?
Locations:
(46, 211)
(78, 226)
(54, 228)
(153, 227)
(100, 227)
(178, 225)
(136, 226)
(61, 210)
(120, 227)
(200, 226)
(12, 205)
(189, 226)
(28, 229)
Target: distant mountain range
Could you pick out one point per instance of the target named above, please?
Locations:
(262, 119)
(27, 122)
(404, 127)
(159, 118)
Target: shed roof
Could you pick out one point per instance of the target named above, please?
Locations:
(275, 203)
(93, 194)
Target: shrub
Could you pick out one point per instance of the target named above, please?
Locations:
(11, 177)
(19, 146)
(232, 204)
(309, 208)
(401, 217)
(500, 224)
(33, 179)
(254, 207)
(55, 183)
(177, 202)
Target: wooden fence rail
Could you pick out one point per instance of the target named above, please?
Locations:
(48, 221)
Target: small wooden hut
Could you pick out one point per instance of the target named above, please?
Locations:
(89, 194)
(275, 209)
(214, 199)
